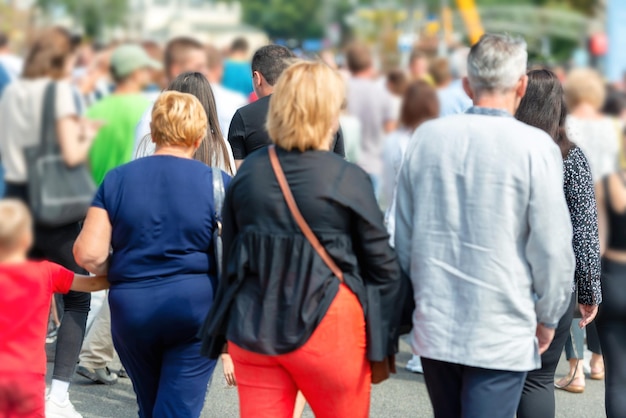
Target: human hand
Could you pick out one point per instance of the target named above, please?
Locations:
(89, 129)
(588, 312)
(545, 336)
(229, 369)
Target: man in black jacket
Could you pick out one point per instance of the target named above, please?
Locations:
(247, 131)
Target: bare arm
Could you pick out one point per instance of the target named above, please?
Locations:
(88, 284)
(75, 138)
(91, 249)
(238, 163)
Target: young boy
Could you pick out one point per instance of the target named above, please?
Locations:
(26, 288)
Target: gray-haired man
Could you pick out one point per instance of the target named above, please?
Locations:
(483, 228)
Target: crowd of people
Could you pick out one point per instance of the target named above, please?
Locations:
(280, 213)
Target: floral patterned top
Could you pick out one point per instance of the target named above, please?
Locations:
(581, 201)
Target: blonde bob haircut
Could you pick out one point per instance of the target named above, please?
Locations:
(178, 119)
(584, 86)
(305, 107)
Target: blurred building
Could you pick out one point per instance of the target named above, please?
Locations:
(207, 20)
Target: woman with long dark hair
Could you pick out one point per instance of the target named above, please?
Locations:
(543, 106)
(214, 151)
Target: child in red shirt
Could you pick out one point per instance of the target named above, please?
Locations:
(26, 288)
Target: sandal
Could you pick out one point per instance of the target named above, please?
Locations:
(567, 384)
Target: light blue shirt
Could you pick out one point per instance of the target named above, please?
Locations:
(453, 100)
(483, 228)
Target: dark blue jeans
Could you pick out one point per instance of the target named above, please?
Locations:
(458, 391)
(154, 327)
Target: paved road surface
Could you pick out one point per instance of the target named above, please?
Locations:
(404, 396)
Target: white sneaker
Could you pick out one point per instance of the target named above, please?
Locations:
(415, 365)
(56, 409)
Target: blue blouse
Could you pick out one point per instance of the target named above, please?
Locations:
(162, 212)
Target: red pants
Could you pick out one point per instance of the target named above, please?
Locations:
(22, 395)
(331, 369)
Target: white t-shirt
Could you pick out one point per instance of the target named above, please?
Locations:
(599, 140)
(21, 111)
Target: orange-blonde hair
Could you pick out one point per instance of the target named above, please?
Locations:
(178, 119)
(305, 106)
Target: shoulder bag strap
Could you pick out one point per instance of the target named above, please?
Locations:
(218, 203)
(295, 212)
(49, 142)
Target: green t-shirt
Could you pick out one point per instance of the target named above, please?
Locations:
(115, 141)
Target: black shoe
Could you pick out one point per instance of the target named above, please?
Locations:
(104, 376)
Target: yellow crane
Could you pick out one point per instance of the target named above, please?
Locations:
(471, 18)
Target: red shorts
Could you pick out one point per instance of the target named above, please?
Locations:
(22, 395)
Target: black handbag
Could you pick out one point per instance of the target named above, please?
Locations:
(58, 195)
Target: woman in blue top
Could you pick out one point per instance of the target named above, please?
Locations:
(157, 215)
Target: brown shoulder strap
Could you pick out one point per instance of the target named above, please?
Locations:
(295, 212)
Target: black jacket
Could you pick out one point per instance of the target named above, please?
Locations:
(276, 289)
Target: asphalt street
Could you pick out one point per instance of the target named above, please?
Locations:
(403, 396)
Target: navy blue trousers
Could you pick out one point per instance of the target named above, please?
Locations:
(154, 328)
(458, 391)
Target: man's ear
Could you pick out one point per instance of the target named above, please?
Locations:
(257, 79)
(468, 88)
(522, 85)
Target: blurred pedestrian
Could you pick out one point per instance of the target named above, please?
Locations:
(121, 111)
(50, 60)
(611, 322)
(237, 76)
(11, 63)
(30, 284)
(373, 105)
(544, 107)
(162, 254)
(227, 101)
(397, 83)
(419, 66)
(489, 252)
(615, 108)
(274, 275)
(182, 54)
(452, 99)
(248, 131)
(419, 104)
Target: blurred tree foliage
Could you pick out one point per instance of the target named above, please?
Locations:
(285, 18)
(93, 15)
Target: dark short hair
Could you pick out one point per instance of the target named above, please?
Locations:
(4, 40)
(271, 61)
(214, 57)
(440, 71)
(240, 45)
(176, 49)
(419, 104)
(397, 81)
(358, 57)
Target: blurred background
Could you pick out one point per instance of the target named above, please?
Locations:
(559, 32)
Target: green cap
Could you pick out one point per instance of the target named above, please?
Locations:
(129, 58)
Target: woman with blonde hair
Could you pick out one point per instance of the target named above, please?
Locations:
(158, 216)
(291, 322)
